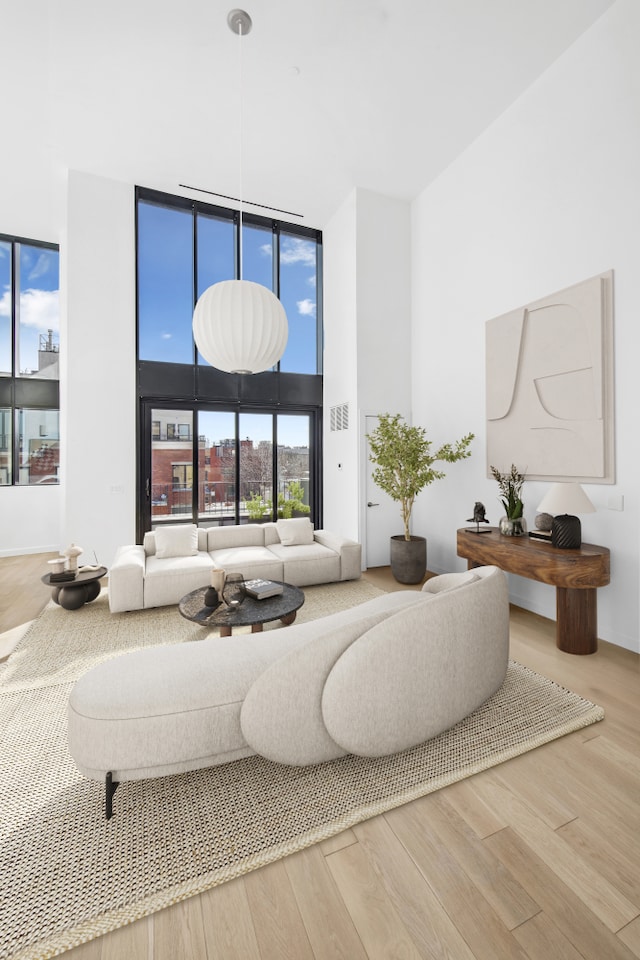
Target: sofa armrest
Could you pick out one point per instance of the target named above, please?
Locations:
(350, 552)
(126, 579)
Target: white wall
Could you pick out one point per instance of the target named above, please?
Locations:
(367, 317)
(98, 366)
(549, 195)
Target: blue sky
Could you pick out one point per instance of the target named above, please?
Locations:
(39, 303)
(165, 281)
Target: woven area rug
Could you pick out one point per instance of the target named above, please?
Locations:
(69, 876)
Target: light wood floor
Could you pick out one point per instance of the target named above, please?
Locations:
(538, 858)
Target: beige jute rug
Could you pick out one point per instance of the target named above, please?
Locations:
(68, 875)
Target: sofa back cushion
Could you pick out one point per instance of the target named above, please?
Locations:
(244, 535)
(174, 540)
(421, 671)
(297, 532)
(149, 542)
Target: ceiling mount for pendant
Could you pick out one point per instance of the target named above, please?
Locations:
(239, 21)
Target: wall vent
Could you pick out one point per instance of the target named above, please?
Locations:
(339, 417)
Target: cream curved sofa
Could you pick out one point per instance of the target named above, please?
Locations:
(176, 559)
(372, 680)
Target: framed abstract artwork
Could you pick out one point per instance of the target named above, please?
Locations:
(549, 393)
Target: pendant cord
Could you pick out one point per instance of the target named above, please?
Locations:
(241, 129)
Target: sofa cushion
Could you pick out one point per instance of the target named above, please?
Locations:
(175, 540)
(386, 692)
(167, 581)
(243, 535)
(282, 719)
(296, 532)
(251, 561)
(304, 565)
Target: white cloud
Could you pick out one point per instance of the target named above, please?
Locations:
(5, 303)
(297, 250)
(306, 308)
(166, 336)
(40, 267)
(40, 309)
(266, 250)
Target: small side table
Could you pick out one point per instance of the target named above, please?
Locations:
(73, 594)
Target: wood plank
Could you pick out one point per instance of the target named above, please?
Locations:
(340, 840)
(620, 867)
(178, 931)
(542, 940)
(430, 926)
(330, 929)
(630, 936)
(606, 902)
(133, 942)
(279, 929)
(228, 924)
(379, 926)
(566, 910)
(474, 917)
(483, 819)
(511, 903)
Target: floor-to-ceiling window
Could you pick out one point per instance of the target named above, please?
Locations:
(29, 362)
(216, 447)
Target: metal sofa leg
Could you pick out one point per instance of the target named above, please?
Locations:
(111, 786)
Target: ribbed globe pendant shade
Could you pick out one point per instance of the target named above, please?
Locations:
(240, 327)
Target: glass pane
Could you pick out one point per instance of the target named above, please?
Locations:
(165, 283)
(215, 255)
(256, 466)
(39, 454)
(257, 255)
(293, 466)
(38, 332)
(171, 464)
(298, 293)
(217, 466)
(6, 446)
(5, 309)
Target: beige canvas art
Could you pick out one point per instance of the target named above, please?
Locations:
(549, 375)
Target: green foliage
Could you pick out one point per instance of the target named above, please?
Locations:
(257, 508)
(510, 490)
(294, 502)
(404, 463)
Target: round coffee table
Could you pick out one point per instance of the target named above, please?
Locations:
(251, 613)
(73, 594)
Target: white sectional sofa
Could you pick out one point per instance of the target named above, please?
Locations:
(372, 680)
(176, 559)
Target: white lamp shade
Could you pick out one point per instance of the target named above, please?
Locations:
(240, 326)
(566, 498)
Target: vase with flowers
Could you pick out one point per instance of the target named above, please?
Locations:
(513, 524)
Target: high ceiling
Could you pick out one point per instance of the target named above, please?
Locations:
(381, 94)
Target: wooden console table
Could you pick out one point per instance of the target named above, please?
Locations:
(575, 574)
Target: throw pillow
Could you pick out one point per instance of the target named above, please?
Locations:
(294, 533)
(176, 541)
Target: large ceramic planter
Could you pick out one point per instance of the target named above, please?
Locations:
(408, 559)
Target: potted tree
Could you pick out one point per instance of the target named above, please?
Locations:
(404, 465)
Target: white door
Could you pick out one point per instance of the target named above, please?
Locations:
(383, 519)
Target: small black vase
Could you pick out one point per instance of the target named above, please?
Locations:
(211, 598)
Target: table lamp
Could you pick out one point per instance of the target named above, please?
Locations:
(564, 501)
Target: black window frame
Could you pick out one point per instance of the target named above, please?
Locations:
(194, 386)
(23, 393)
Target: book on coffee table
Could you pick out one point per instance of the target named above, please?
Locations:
(261, 589)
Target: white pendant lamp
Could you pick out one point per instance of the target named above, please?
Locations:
(240, 326)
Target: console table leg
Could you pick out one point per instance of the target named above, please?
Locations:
(576, 620)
